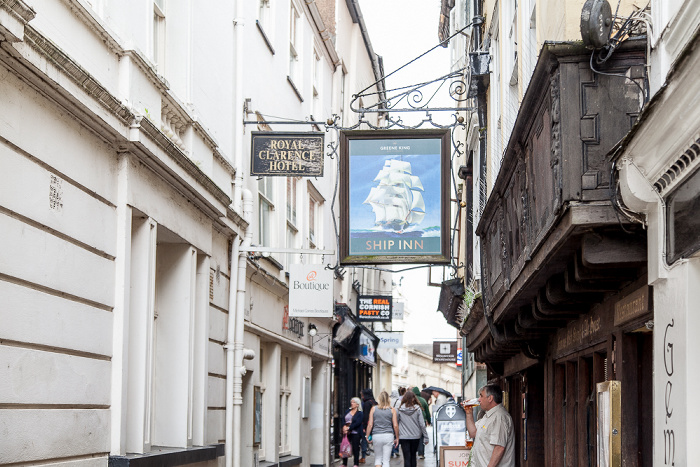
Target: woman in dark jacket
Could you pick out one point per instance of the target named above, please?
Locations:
(353, 428)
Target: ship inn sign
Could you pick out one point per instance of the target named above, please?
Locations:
(394, 196)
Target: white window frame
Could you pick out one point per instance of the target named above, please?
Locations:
(265, 207)
(285, 399)
(158, 35)
(295, 65)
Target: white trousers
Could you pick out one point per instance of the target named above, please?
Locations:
(383, 442)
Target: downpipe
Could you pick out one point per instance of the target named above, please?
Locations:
(235, 353)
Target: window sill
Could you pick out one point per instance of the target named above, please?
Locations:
(296, 91)
(169, 456)
(265, 38)
(285, 461)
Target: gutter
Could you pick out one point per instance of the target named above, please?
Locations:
(323, 31)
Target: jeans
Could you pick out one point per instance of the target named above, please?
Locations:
(409, 448)
(355, 443)
(364, 445)
(383, 444)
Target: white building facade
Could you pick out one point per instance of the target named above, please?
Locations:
(658, 178)
(139, 322)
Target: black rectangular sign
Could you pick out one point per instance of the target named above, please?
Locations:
(374, 308)
(287, 154)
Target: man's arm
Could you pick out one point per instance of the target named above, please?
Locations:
(471, 427)
(497, 455)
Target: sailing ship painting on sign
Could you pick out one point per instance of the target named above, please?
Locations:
(395, 199)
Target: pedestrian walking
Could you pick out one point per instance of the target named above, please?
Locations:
(353, 428)
(383, 426)
(396, 404)
(426, 415)
(411, 428)
(367, 403)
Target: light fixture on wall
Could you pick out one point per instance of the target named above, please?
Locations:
(313, 332)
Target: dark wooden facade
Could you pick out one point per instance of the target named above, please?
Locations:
(556, 257)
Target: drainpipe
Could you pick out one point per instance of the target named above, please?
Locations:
(235, 353)
(242, 199)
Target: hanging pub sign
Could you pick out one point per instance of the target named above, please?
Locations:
(287, 154)
(444, 351)
(374, 308)
(394, 196)
(310, 291)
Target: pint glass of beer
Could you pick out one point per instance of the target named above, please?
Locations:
(470, 403)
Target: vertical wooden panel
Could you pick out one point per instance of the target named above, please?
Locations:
(584, 391)
(627, 373)
(559, 415)
(571, 421)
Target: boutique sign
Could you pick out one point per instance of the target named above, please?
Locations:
(287, 154)
(310, 291)
(390, 340)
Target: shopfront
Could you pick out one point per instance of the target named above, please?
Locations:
(354, 361)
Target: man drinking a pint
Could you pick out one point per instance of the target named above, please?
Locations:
(494, 443)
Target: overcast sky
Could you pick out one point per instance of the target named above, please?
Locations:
(401, 30)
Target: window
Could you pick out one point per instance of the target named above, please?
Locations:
(294, 46)
(292, 183)
(159, 34)
(265, 208)
(312, 222)
(292, 200)
(285, 393)
(343, 79)
(316, 88)
(264, 13)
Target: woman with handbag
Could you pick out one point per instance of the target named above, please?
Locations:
(411, 428)
(353, 430)
(384, 428)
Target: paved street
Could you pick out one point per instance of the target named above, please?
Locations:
(429, 460)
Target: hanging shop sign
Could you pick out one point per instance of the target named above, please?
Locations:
(366, 351)
(397, 310)
(374, 308)
(287, 154)
(394, 196)
(310, 291)
(390, 340)
(444, 351)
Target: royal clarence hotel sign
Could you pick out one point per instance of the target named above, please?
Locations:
(287, 154)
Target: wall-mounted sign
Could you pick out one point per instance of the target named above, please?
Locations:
(444, 351)
(397, 310)
(390, 340)
(634, 305)
(394, 196)
(459, 357)
(374, 308)
(367, 347)
(292, 325)
(287, 154)
(310, 291)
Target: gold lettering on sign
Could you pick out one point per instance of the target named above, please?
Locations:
(578, 332)
(632, 306)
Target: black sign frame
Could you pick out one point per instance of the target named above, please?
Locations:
(371, 308)
(384, 243)
(285, 145)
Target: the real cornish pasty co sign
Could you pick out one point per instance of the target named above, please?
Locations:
(287, 154)
(310, 291)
